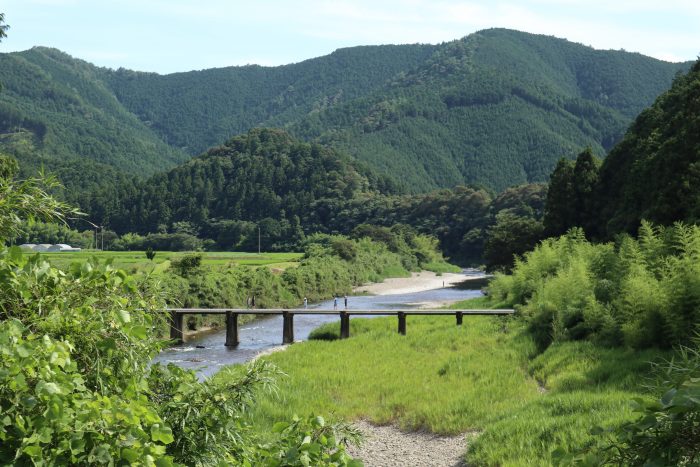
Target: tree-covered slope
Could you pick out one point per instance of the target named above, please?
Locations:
(654, 172)
(60, 109)
(199, 109)
(262, 176)
(498, 107)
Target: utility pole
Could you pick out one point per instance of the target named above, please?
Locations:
(258, 238)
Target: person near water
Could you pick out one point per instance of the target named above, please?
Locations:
(335, 302)
(252, 302)
(306, 303)
(346, 302)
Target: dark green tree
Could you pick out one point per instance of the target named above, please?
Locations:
(558, 216)
(509, 237)
(3, 26)
(585, 179)
(569, 198)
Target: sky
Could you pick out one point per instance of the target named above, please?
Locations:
(167, 36)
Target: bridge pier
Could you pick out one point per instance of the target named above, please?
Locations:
(287, 328)
(402, 323)
(232, 339)
(344, 325)
(176, 327)
(459, 318)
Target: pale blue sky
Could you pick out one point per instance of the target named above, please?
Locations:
(179, 35)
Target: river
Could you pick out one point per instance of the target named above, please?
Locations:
(207, 353)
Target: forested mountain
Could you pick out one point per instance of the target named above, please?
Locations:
(263, 177)
(55, 106)
(654, 173)
(200, 109)
(496, 108)
(289, 189)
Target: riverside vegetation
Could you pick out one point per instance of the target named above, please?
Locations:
(76, 386)
(595, 331)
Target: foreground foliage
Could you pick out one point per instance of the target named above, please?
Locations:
(76, 386)
(636, 293)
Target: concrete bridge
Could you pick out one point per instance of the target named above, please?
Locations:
(232, 338)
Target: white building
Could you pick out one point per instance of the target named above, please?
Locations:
(61, 247)
(46, 247)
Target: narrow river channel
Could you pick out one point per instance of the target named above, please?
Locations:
(207, 354)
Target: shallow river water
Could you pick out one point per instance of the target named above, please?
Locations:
(207, 353)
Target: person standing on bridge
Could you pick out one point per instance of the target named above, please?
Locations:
(346, 302)
(335, 302)
(306, 303)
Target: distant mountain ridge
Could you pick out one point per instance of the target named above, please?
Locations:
(495, 109)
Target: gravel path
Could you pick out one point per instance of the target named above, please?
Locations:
(387, 446)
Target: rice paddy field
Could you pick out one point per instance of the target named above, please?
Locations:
(136, 261)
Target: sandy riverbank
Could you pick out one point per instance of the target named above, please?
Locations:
(418, 282)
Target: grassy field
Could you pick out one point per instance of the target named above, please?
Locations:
(484, 379)
(136, 261)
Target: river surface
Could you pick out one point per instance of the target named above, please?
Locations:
(207, 353)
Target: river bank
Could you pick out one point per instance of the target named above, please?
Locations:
(418, 282)
(206, 352)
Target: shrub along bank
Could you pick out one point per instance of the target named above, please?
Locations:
(76, 387)
(634, 293)
(332, 264)
(576, 378)
(639, 293)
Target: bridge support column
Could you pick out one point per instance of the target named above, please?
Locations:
(402, 323)
(232, 339)
(344, 325)
(288, 328)
(176, 327)
(459, 318)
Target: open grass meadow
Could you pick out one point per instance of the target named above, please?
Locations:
(136, 261)
(485, 379)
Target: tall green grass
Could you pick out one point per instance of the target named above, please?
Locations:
(485, 377)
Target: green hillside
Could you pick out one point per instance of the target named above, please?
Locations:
(498, 108)
(57, 107)
(654, 173)
(264, 177)
(200, 109)
(494, 109)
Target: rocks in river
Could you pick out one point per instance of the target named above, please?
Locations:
(199, 347)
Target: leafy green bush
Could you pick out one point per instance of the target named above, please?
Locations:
(321, 444)
(75, 347)
(51, 415)
(76, 387)
(187, 264)
(639, 292)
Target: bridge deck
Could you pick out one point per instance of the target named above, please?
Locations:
(350, 311)
(177, 315)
